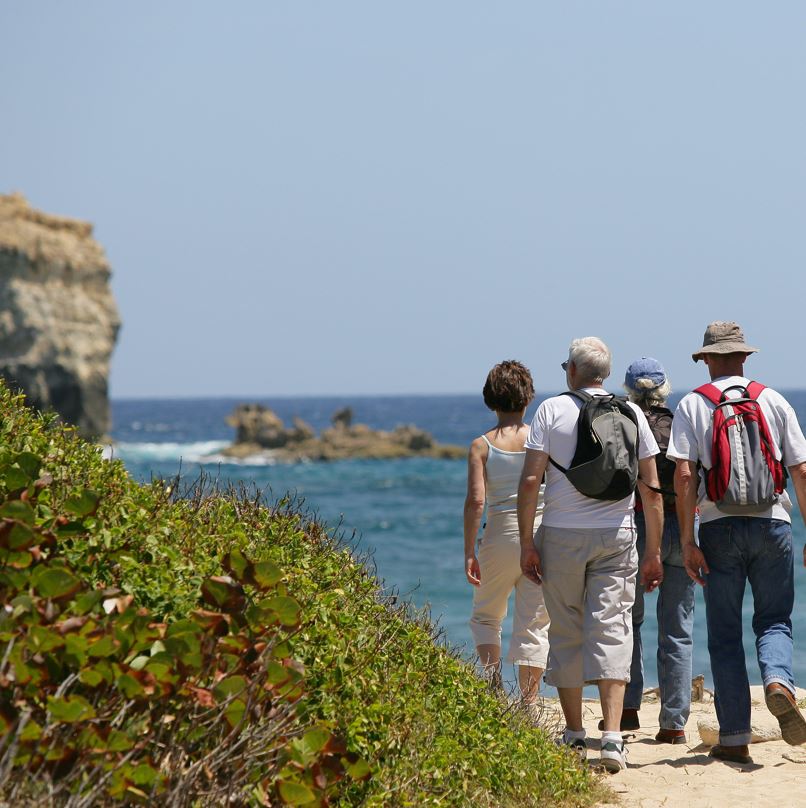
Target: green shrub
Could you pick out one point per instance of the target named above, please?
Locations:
(196, 647)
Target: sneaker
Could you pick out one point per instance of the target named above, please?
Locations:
(577, 745)
(614, 756)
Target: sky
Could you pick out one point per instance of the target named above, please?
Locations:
(359, 197)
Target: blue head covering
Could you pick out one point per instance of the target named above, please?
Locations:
(644, 368)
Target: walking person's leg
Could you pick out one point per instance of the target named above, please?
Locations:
(675, 643)
(722, 542)
(607, 650)
(529, 646)
(635, 687)
(563, 553)
(771, 576)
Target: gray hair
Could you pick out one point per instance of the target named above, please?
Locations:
(592, 359)
(647, 394)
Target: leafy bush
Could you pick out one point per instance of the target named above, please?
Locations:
(203, 648)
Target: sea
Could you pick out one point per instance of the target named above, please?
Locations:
(404, 517)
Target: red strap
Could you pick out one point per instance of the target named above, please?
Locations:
(711, 392)
(754, 390)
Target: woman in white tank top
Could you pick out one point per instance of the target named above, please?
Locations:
(495, 461)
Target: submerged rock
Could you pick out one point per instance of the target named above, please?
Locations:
(58, 319)
(260, 431)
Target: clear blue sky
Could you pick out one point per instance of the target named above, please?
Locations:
(365, 197)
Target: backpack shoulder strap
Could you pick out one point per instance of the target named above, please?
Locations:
(754, 390)
(711, 392)
(580, 394)
(584, 398)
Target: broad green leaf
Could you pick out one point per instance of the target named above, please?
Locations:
(267, 574)
(83, 503)
(234, 712)
(295, 793)
(238, 566)
(31, 732)
(86, 601)
(104, 647)
(222, 591)
(129, 686)
(276, 673)
(143, 774)
(315, 740)
(70, 709)
(90, 677)
(231, 686)
(29, 463)
(17, 509)
(286, 609)
(359, 770)
(16, 478)
(118, 741)
(55, 582)
(22, 537)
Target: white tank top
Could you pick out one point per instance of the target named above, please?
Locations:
(503, 472)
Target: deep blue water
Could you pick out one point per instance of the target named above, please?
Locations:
(406, 513)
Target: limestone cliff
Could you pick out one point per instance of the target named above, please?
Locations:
(58, 319)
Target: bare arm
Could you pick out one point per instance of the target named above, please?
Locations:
(685, 489)
(798, 475)
(534, 467)
(651, 565)
(474, 507)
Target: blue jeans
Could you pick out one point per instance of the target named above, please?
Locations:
(675, 612)
(738, 549)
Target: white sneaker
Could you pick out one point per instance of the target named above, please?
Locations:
(614, 756)
(577, 745)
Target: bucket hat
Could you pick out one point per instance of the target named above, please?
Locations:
(644, 368)
(723, 338)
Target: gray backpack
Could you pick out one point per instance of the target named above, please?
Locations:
(605, 462)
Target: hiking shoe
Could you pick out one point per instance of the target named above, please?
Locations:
(731, 754)
(781, 703)
(673, 736)
(614, 756)
(629, 720)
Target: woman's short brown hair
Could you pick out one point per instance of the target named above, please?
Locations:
(509, 387)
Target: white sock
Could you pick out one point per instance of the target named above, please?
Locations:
(574, 734)
(614, 737)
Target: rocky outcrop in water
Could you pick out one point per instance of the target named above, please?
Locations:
(58, 319)
(259, 430)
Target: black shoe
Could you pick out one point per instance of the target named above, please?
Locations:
(629, 720)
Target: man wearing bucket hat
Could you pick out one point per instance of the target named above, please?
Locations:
(745, 530)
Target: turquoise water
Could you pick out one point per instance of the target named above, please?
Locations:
(407, 514)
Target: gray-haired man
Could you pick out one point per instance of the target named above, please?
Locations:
(584, 555)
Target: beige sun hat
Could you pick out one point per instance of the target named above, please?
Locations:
(723, 338)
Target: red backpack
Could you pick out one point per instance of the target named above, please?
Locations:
(745, 476)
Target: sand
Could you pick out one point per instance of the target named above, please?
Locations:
(683, 776)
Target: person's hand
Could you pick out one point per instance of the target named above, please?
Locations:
(530, 564)
(651, 572)
(473, 570)
(695, 563)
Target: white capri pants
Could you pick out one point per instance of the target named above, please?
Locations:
(500, 563)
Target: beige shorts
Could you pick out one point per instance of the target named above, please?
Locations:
(500, 562)
(589, 587)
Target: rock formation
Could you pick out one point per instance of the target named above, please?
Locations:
(260, 431)
(58, 319)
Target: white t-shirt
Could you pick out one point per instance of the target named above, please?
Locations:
(692, 434)
(554, 431)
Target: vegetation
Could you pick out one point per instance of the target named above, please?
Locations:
(197, 647)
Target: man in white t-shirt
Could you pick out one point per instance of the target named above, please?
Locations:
(754, 547)
(584, 555)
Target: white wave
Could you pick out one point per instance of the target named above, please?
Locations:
(204, 452)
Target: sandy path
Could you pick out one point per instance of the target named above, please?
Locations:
(683, 776)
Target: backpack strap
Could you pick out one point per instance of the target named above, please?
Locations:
(584, 397)
(754, 390)
(711, 392)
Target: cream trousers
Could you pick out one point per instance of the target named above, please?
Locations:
(499, 559)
